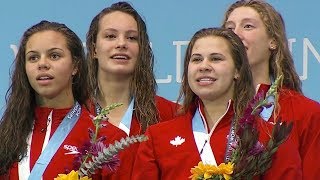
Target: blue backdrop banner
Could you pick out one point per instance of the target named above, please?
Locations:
(171, 23)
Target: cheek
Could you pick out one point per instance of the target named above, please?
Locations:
(250, 38)
(65, 70)
(135, 50)
(102, 48)
(30, 70)
(190, 76)
(189, 72)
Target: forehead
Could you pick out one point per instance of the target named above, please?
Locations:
(118, 20)
(47, 38)
(211, 43)
(244, 13)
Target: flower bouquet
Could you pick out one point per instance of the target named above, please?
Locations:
(249, 157)
(95, 154)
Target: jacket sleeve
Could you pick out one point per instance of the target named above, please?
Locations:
(286, 162)
(311, 145)
(145, 166)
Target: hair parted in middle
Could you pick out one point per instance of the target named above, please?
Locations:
(280, 61)
(143, 85)
(244, 90)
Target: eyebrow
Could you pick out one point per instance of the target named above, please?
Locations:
(196, 54)
(244, 19)
(115, 30)
(52, 49)
(49, 50)
(211, 54)
(29, 52)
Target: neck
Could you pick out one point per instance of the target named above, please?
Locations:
(260, 75)
(214, 110)
(57, 102)
(113, 92)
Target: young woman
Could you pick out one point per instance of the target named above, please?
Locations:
(262, 31)
(46, 120)
(216, 88)
(121, 71)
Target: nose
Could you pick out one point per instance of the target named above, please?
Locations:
(122, 43)
(238, 31)
(205, 66)
(43, 64)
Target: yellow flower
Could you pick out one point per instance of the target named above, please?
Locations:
(73, 175)
(203, 170)
(207, 171)
(226, 170)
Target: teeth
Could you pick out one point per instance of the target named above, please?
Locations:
(44, 78)
(120, 57)
(206, 79)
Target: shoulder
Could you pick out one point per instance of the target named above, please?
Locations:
(297, 98)
(166, 109)
(163, 102)
(296, 105)
(174, 125)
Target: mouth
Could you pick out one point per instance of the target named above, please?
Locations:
(44, 77)
(206, 79)
(120, 57)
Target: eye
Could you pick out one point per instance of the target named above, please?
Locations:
(133, 38)
(216, 58)
(196, 59)
(248, 26)
(32, 58)
(110, 36)
(229, 27)
(55, 56)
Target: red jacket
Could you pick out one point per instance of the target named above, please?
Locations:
(167, 111)
(305, 113)
(158, 159)
(62, 161)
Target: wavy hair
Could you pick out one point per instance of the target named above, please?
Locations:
(281, 61)
(143, 76)
(18, 118)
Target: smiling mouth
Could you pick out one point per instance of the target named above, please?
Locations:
(206, 80)
(120, 57)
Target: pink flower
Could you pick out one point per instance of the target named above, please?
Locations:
(257, 149)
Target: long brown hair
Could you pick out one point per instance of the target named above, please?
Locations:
(281, 61)
(244, 90)
(18, 118)
(143, 85)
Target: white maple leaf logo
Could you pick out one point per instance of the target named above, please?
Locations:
(177, 141)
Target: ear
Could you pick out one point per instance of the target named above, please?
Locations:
(94, 51)
(236, 75)
(272, 45)
(74, 71)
